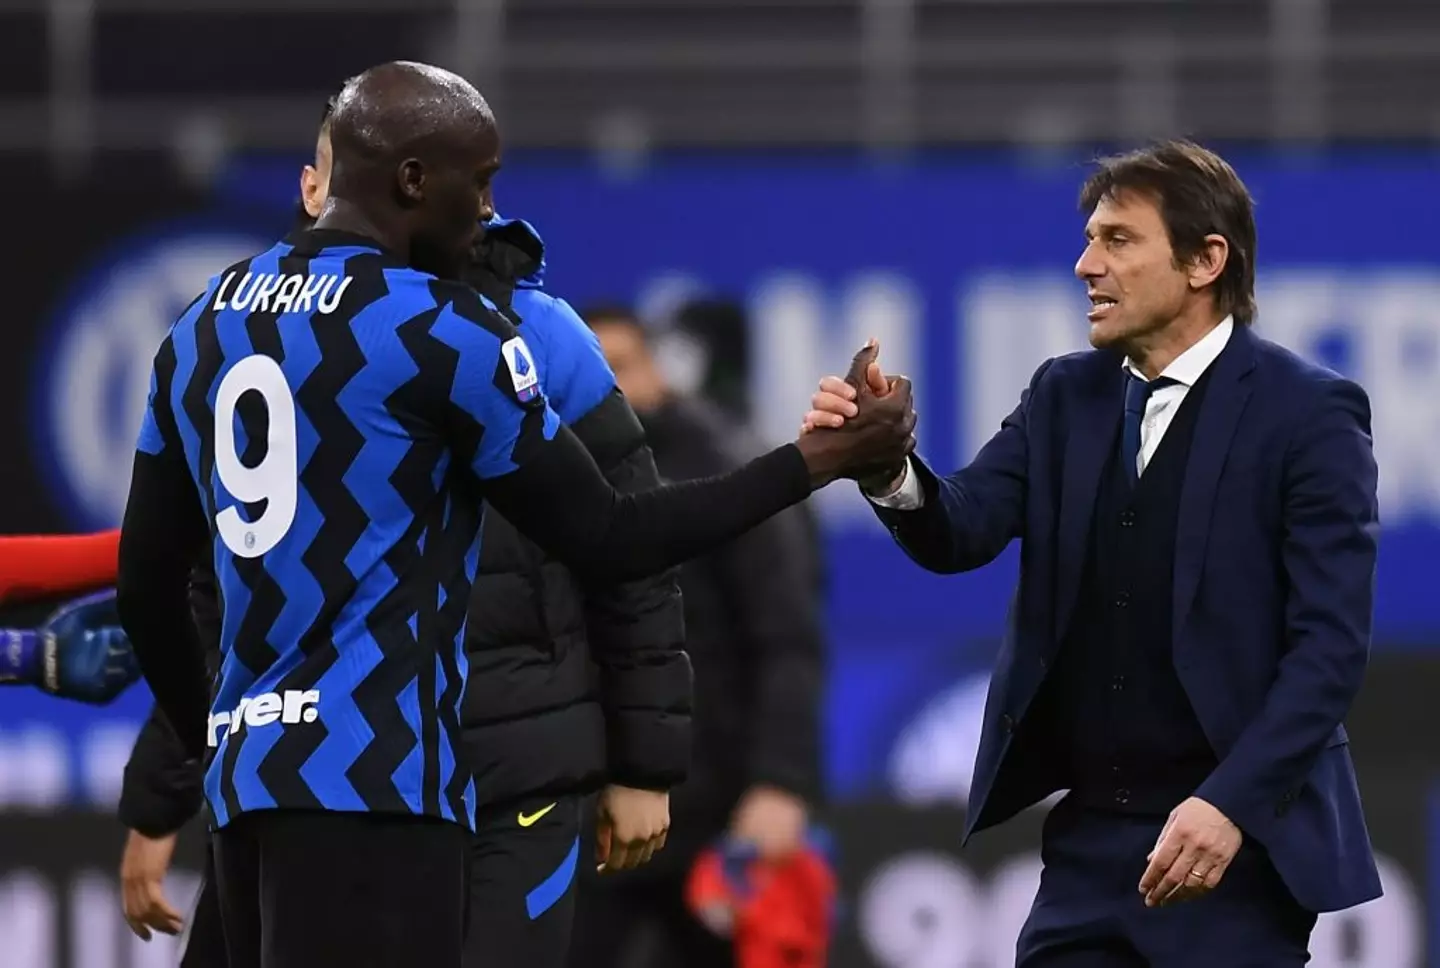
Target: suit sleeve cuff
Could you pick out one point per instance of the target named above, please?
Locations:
(907, 496)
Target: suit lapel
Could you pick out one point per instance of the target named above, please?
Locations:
(1091, 436)
(1215, 427)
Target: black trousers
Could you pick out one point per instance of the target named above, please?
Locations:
(202, 943)
(302, 889)
(522, 865)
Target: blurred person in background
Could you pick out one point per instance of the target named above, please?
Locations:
(713, 335)
(753, 630)
(1198, 514)
(539, 731)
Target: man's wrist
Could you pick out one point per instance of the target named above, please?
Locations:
(886, 485)
(817, 460)
(20, 656)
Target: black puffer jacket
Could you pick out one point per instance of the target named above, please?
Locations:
(571, 682)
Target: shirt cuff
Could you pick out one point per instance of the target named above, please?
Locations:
(907, 495)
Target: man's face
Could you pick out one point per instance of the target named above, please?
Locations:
(455, 194)
(315, 179)
(635, 371)
(1129, 270)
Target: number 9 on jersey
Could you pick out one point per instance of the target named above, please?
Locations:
(275, 479)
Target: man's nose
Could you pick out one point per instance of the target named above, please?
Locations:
(1089, 265)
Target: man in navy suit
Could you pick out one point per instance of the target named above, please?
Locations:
(1197, 515)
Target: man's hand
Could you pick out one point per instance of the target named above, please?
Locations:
(630, 827)
(834, 402)
(142, 884)
(771, 819)
(877, 434)
(1196, 846)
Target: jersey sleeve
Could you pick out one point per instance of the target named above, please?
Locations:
(577, 377)
(499, 415)
(157, 427)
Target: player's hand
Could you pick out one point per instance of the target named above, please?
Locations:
(630, 826)
(85, 654)
(834, 402)
(772, 819)
(142, 884)
(871, 445)
(1196, 846)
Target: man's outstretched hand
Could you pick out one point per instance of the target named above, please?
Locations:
(877, 409)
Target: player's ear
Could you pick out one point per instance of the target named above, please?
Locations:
(310, 190)
(410, 180)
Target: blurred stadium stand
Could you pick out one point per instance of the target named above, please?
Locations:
(136, 74)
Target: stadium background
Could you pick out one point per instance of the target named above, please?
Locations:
(902, 168)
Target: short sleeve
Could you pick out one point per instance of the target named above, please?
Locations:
(577, 377)
(501, 415)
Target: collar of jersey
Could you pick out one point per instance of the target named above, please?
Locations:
(311, 242)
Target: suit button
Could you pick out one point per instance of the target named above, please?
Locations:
(1117, 684)
(1122, 600)
(1127, 519)
(1007, 723)
(1122, 796)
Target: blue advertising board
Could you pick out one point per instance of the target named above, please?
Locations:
(961, 266)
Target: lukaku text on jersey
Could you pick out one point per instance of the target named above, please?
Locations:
(337, 411)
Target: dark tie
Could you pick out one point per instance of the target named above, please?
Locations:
(1137, 394)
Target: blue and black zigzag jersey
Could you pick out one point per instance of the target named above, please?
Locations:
(336, 411)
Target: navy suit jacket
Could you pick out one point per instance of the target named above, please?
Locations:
(1273, 588)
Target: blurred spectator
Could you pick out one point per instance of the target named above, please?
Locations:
(752, 615)
(720, 330)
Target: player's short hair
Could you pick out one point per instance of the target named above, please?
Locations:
(327, 114)
(1199, 194)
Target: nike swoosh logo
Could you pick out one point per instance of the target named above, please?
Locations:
(529, 819)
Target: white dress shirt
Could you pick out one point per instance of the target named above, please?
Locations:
(1186, 369)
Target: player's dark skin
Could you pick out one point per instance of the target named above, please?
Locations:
(415, 151)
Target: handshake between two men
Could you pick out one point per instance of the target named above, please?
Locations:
(870, 416)
(865, 398)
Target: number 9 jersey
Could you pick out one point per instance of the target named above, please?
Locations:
(337, 411)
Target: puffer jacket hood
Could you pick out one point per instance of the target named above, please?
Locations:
(514, 249)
